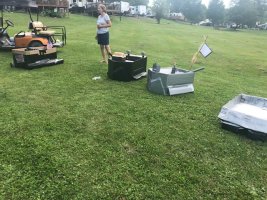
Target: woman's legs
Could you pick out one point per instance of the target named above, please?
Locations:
(108, 50)
(102, 49)
(103, 41)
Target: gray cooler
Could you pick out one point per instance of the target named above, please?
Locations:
(170, 80)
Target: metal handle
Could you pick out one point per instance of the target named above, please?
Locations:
(198, 69)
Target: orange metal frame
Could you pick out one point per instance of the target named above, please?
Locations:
(24, 41)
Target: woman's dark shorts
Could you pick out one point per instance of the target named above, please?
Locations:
(103, 39)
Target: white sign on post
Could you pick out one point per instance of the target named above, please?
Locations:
(205, 50)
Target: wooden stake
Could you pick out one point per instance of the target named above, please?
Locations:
(194, 58)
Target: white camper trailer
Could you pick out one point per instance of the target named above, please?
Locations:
(138, 10)
(119, 7)
(133, 10)
(141, 10)
(124, 7)
(77, 3)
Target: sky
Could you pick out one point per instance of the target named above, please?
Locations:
(226, 2)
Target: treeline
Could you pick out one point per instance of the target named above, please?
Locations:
(241, 12)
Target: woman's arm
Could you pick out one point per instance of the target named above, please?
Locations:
(108, 24)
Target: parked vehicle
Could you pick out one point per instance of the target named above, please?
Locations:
(120, 7)
(234, 25)
(40, 35)
(138, 10)
(124, 7)
(133, 10)
(262, 26)
(141, 9)
(206, 22)
(74, 8)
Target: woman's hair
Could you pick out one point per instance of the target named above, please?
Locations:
(103, 7)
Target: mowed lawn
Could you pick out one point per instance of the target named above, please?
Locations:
(66, 136)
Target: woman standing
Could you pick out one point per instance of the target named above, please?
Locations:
(103, 24)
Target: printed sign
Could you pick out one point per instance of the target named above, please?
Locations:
(205, 50)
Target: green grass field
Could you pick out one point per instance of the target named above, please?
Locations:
(66, 136)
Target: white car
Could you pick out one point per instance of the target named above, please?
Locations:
(206, 22)
(262, 26)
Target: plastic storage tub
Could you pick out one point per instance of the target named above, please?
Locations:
(132, 67)
(247, 115)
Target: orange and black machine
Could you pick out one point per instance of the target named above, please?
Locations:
(40, 35)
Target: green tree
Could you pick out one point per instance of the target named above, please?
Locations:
(243, 13)
(233, 3)
(176, 5)
(193, 10)
(216, 11)
(261, 7)
(160, 8)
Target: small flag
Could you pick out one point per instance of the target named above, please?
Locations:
(205, 50)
